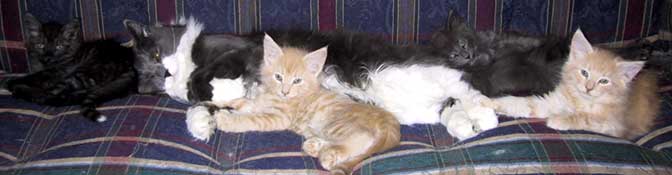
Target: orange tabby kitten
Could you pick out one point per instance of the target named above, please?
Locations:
(339, 131)
(596, 94)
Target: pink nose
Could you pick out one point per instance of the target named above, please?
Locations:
(284, 93)
(589, 88)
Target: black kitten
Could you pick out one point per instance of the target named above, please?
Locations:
(49, 42)
(499, 64)
(95, 72)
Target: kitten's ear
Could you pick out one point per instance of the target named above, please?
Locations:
(32, 26)
(580, 46)
(272, 50)
(136, 29)
(630, 68)
(315, 60)
(72, 30)
(455, 22)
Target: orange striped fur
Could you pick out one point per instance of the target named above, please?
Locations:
(339, 131)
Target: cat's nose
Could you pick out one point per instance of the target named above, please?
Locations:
(589, 88)
(284, 93)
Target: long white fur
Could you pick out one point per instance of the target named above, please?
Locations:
(415, 95)
(224, 90)
(180, 64)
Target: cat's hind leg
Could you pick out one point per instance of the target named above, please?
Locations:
(120, 87)
(467, 120)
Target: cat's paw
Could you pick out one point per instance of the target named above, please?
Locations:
(200, 122)
(483, 118)
(329, 157)
(312, 146)
(513, 106)
(559, 123)
(459, 125)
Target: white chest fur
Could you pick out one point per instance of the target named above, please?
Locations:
(180, 64)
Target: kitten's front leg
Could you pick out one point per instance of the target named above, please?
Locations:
(513, 106)
(244, 122)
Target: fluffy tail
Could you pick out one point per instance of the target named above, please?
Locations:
(644, 104)
(388, 135)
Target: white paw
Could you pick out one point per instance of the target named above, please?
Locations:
(465, 124)
(483, 118)
(199, 122)
(459, 125)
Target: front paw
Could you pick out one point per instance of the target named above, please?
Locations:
(458, 123)
(312, 146)
(483, 118)
(200, 122)
(559, 123)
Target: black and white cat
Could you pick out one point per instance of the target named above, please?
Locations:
(197, 64)
(73, 72)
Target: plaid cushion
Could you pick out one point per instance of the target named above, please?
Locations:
(147, 135)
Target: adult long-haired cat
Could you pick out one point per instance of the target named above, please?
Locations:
(409, 82)
(499, 64)
(599, 92)
(187, 65)
(338, 130)
(74, 72)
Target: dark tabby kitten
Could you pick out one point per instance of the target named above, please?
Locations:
(75, 72)
(499, 64)
(49, 42)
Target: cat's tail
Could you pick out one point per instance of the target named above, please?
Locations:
(643, 104)
(387, 136)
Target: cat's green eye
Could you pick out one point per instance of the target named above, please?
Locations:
(59, 47)
(603, 81)
(297, 81)
(584, 73)
(278, 77)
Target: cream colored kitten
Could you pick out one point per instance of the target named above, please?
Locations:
(339, 131)
(596, 94)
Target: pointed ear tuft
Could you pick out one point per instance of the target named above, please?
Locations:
(272, 50)
(32, 26)
(580, 46)
(136, 29)
(72, 30)
(315, 60)
(630, 68)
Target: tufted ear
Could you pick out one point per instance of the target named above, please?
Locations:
(31, 25)
(72, 30)
(580, 46)
(315, 60)
(630, 68)
(272, 50)
(136, 29)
